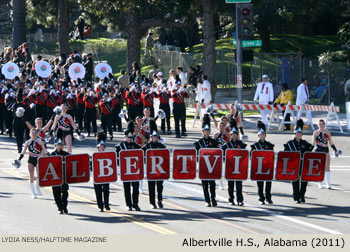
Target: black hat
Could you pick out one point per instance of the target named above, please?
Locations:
(206, 122)
(261, 127)
(299, 126)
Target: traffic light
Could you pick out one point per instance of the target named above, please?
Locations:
(246, 23)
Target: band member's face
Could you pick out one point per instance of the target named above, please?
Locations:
(321, 125)
(234, 136)
(222, 127)
(298, 135)
(39, 123)
(262, 136)
(147, 113)
(154, 139)
(101, 148)
(128, 139)
(206, 133)
(64, 108)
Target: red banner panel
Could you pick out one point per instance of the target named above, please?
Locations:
(184, 164)
(158, 164)
(77, 168)
(104, 167)
(236, 164)
(50, 171)
(262, 165)
(210, 164)
(131, 165)
(288, 166)
(314, 165)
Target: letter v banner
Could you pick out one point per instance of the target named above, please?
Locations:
(50, 171)
(236, 167)
(77, 168)
(210, 164)
(288, 166)
(314, 165)
(131, 165)
(158, 164)
(262, 165)
(104, 167)
(184, 164)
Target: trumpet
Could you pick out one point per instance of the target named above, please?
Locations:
(123, 113)
(154, 84)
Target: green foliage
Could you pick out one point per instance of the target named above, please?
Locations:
(344, 33)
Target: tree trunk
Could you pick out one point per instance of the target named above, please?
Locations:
(209, 41)
(19, 22)
(133, 50)
(63, 26)
(264, 34)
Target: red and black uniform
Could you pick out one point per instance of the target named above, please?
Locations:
(64, 127)
(90, 112)
(134, 104)
(30, 112)
(106, 107)
(179, 110)
(2, 111)
(117, 103)
(10, 102)
(51, 103)
(69, 101)
(164, 97)
(40, 105)
(147, 100)
(80, 108)
(34, 151)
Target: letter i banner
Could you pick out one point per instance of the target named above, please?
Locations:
(262, 165)
(288, 166)
(50, 171)
(314, 166)
(77, 168)
(158, 164)
(104, 167)
(236, 164)
(184, 164)
(131, 165)
(210, 164)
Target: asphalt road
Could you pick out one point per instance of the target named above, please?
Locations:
(325, 212)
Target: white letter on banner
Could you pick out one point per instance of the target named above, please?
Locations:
(284, 168)
(50, 171)
(74, 170)
(312, 166)
(207, 162)
(260, 162)
(156, 164)
(237, 158)
(104, 166)
(184, 162)
(130, 165)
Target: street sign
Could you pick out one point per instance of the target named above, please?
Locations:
(251, 43)
(238, 1)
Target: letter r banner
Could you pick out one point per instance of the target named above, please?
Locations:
(104, 167)
(77, 168)
(158, 164)
(50, 171)
(184, 164)
(262, 165)
(131, 165)
(288, 166)
(314, 165)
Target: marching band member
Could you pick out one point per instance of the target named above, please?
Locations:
(106, 106)
(2, 104)
(80, 104)
(18, 124)
(133, 98)
(36, 149)
(148, 96)
(90, 101)
(207, 142)
(102, 188)
(10, 101)
(179, 94)
(234, 143)
(300, 145)
(155, 144)
(262, 144)
(117, 106)
(51, 101)
(60, 193)
(264, 92)
(64, 121)
(234, 114)
(164, 98)
(41, 97)
(321, 138)
(131, 202)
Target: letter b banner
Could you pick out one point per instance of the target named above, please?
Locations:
(50, 171)
(104, 167)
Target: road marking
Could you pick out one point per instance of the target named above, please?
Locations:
(132, 219)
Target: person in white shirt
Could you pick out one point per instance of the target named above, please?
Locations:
(206, 95)
(303, 97)
(171, 83)
(181, 75)
(264, 92)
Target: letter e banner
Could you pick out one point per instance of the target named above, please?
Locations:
(131, 165)
(314, 165)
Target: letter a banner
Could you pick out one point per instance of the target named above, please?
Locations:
(158, 164)
(287, 166)
(131, 165)
(314, 165)
(262, 165)
(50, 171)
(210, 164)
(77, 168)
(236, 164)
(104, 167)
(184, 164)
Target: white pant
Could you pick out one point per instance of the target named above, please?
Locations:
(264, 114)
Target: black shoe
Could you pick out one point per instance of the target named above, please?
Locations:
(297, 201)
(114, 129)
(137, 208)
(88, 134)
(233, 203)
(163, 132)
(153, 206)
(108, 208)
(160, 204)
(19, 151)
(240, 203)
(183, 134)
(208, 205)
(261, 202)
(169, 132)
(65, 211)
(214, 203)
(302, 200)
(129, 208)
(270, 202)
(60, 211)
(101, 210)
(120, 130)
(178, 136)
(95, 134)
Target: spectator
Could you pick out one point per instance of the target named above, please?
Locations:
(285, 96)
(149, 44)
